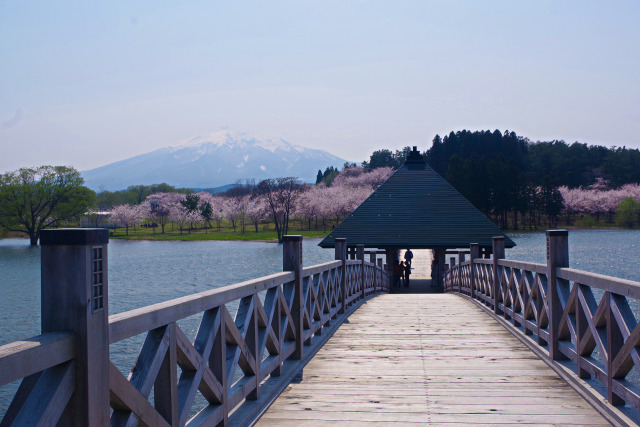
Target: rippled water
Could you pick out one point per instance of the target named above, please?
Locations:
(143, 273)
(611, 252)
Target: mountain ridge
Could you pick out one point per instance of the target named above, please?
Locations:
(212, 160)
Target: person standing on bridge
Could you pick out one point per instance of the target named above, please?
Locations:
(407, 272)
(408, 257)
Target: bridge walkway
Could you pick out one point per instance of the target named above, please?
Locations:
(427, 359)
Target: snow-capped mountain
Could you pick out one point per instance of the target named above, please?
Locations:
(219, 158)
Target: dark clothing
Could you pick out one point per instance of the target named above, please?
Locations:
(407, 272)
(408, 256)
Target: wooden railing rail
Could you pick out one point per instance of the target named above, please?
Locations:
(47, 364)
(587, 318)
(253, 337)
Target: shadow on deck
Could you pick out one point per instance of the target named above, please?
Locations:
(417, 286)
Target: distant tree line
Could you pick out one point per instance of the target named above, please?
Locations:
(134, 195)
(515, 181)
(277, 201)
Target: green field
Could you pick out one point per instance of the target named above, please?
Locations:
(265, 233)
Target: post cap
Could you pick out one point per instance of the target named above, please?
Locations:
(74, 236)
(557, 233)
(292, 238)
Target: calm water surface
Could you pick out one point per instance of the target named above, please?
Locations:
(143, 273)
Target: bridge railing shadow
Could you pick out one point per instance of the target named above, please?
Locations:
(571, 315)
(239, 361)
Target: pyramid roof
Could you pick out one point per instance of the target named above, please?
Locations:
(418, 209)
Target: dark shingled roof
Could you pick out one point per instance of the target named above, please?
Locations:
(416, 208)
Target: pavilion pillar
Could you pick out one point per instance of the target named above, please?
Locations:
(437, 267)
(389, 266)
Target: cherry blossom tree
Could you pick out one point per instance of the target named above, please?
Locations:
(126, 216)
(159, 206)
(256, 211)
(182, 216)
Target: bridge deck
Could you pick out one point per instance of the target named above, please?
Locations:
(428, 358)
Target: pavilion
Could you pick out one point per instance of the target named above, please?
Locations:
(415, 208)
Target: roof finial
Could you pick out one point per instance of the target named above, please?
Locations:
(415, 159)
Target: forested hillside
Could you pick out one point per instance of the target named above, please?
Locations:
(517, 182)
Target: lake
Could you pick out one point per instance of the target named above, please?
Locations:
(144, 272)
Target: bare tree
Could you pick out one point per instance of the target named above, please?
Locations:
(280, 195)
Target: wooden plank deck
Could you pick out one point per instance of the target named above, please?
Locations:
(427, 359)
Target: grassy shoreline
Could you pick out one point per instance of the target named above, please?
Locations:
(265, 235)
(207, 235)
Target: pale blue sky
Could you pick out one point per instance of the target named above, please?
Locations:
(87, 83)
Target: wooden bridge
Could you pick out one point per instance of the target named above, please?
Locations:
(507, 343)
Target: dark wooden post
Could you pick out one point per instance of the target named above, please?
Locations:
(498, 253)
(389, 266)
(74, 297)
(615, 341)
(380, 274)
(460, 261)
(341, 255)
(292, 261)
(474, 252)
(360, 256)
(557, 256)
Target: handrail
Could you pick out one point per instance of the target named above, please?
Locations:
(130, 323)
(628, 288)
(20, 359)
(571, 314)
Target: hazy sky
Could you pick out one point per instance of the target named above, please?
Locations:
(88, 83)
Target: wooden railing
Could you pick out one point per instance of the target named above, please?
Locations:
(237, 363)
(574, 315)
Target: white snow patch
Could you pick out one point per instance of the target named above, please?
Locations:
(208, 143)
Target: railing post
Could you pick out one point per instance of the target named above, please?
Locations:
(360, 256)
(498, 253)
(615, 341)
(474, 252)
(557, 256)
(292, 261)
(374, 273)
(74, 297)
(380, 274)
(341, 255)
(460, 261)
